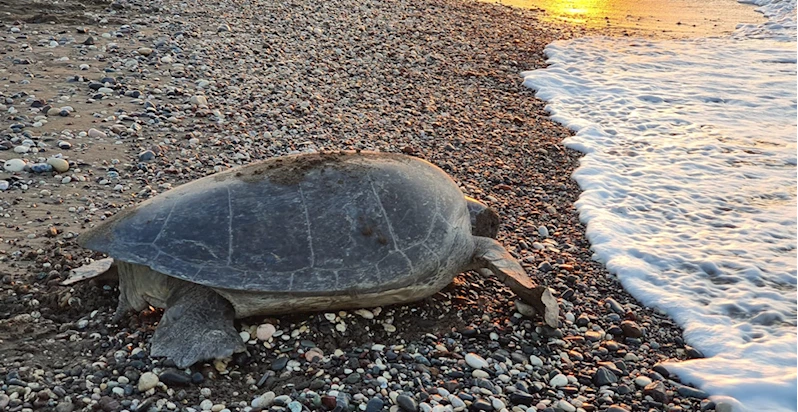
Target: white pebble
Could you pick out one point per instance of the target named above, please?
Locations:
(475, 361)
(265, 331)
(558, 380)
(147, 381)
(14, 165)
(97, 134)
(642, 381)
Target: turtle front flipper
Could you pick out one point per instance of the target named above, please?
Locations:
(196, 326)
(492, 255)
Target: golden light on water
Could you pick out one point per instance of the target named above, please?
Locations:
(673, 18)
(576, 11)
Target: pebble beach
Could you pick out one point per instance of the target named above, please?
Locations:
(110, 105)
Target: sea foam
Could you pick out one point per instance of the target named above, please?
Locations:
(689, 189)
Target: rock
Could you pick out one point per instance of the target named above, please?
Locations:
(564, 406)
(146, 156)
(525, 309)
(481, 405)
(457, 403)
(689, 392)
(475, 361)
(14, 165)
(144, 51)
(4, 400)
(89, 41)
(497, 404)
(693, 353)
(535, 361)
(604, 376)
(631, 329)
(94, 133)
(174, 378)
(147, 381)
(374, 405)
(558, 380)
(279, 363)
(657, 391)
(617, 408)
(642, 381)
(615, 306)
(265, 331)
(199, 101)
(21, 149)
(365, 313)
(4, 184)
(521, 398)
(60, 165)
(295, 406)
(41, 168)
(64, 145)
(264, 401)
(407, 403)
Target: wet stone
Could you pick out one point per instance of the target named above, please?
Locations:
(279, 363)
(174, 378)
(631, 329)
(374, 405)
(604, 376)
(689, 392)
(407, 403)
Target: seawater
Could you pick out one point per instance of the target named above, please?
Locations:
(689, 189)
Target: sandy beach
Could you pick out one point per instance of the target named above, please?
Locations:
(111, 107)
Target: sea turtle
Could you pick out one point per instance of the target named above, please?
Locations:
(298, 233)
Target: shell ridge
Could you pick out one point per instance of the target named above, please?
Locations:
(384, 213)
(165, 222)
(229, 227)
(307, 223)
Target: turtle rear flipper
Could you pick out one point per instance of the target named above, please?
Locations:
(196, 326)
(492, 255)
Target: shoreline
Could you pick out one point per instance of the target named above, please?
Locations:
(439, 80)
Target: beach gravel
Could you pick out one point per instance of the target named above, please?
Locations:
(111, 104)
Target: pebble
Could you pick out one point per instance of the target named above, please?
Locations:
(60, 165)
(642, 381)
(407, 403)
(265, 331)
(374, 405)
(94, 133)
(14, 165)
(144, 51)
(41, 167)
(147, 381)
(475, 361)
(564, 406)
(604, 376)
(558, 380)
(174, 378)
(279, 363)
(21, 149)
(199, 101)
(264, 401)
(146, 156)
(4, 184)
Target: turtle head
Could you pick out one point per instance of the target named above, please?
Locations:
(484, 220)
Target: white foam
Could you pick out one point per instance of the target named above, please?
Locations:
(690, 189)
